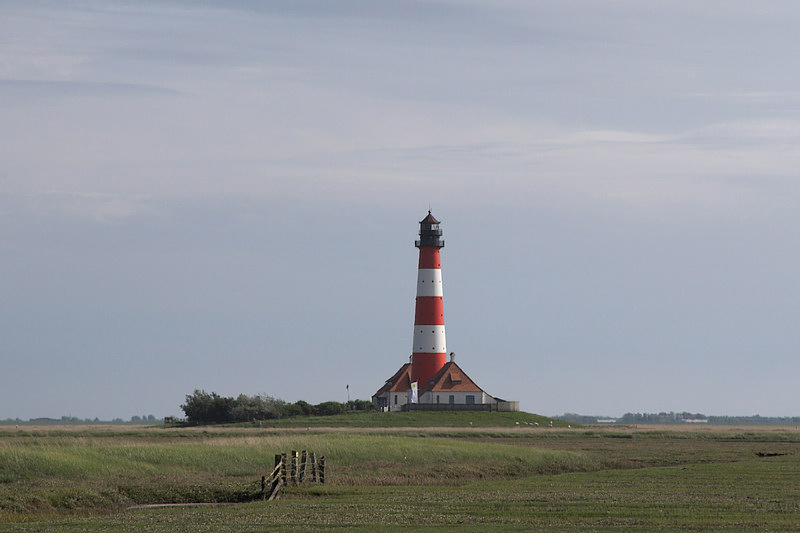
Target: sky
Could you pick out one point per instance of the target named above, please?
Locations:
(225, 196)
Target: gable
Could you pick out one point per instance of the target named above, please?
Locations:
(451, 378)
(400, 381)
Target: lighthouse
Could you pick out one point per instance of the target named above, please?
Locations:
(429, 382)
(429, 347)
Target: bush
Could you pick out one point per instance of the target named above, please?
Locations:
(246, 408)
(329, 408)
(361, 405)
(305, 408)
(204, 408)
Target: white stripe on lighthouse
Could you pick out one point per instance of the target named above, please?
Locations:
(429, 282)
(429, 339)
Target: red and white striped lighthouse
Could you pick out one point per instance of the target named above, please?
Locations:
(429, 379)
(429, 349)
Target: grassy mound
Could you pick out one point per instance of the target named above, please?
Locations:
(365, 419)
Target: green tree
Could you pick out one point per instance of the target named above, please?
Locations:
(305, 408)
(262, 407)
(329, 408)
(203, 408)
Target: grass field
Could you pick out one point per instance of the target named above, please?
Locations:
(439, 478)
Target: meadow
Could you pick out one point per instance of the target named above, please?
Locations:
(445, 477)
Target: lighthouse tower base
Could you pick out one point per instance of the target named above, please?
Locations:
(450, 389)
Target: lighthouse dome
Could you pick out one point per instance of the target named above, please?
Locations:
(430, 219)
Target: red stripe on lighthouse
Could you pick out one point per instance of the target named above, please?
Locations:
(425, 365)
(429, 257)
(430, 310)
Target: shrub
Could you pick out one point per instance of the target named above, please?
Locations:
(329, 408)
(209, 408)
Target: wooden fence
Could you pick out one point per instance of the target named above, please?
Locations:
(293, 468)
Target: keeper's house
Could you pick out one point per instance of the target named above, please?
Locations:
(450, 389)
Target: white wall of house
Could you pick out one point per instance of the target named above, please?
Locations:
(397, 400)
(457, 397)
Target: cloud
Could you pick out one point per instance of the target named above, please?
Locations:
(748, 97)
(95, 206)
(765, 131)
(17, 90)
(612, 137)
(363, 103)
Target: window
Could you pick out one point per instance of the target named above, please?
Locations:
(470, 399)
(395, 399)
(437, 398)
(452, 399)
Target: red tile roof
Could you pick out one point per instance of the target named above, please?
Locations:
(400, 381)
(450, 378)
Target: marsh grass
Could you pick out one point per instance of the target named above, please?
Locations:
(42, 474)
(741, 496)
(506, 479)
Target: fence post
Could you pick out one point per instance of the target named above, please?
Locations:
(276, 477)
(302, 472)
(298, 465)
(313, 467)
